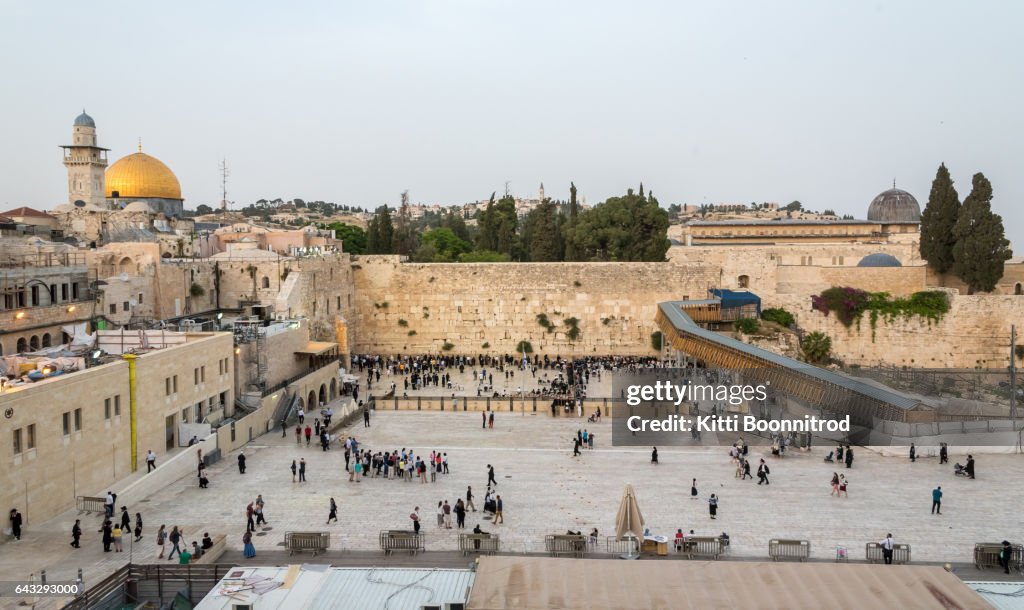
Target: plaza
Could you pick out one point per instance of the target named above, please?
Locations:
(545, 491)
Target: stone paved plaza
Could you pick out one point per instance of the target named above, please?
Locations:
(546, 490)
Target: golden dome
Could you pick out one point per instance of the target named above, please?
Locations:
(139, 176)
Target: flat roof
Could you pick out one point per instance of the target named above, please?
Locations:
(506, 583)
(317, 348)
(321, 587)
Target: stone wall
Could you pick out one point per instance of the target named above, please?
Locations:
(469, 305)
(974, 333)
(806, 280)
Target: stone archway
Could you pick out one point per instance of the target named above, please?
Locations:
(33, 343)
(22, 346)
(311, 401)
(743, 281)
(46, 340)
(333, 393)
(127, 265)
(1017, 289)
(323, 394)
(301, 405)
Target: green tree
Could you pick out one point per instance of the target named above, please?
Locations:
(380, 235)
(543, 242)
(353, 237)
(202, 208)
(793, 206)
(405, 239)
(484, 256)
(498, 223)
(453, 220)
(629, 228)
(938, 220)
(981, 246)
(446, 246)
(568, 245)
(817, 347)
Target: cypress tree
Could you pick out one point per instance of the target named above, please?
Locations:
(981, 246)
(937, 222)
(572, 250)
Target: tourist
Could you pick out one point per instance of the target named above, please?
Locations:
(161, 536)
(284, 428)
(415, 516)
(943, 454)
(746, 470)
(294, 470)
(259, 511)
(937, 500)
(126, 519)
(302, 416)
(762, 473)
(839, 453)
(184, 557)
(849, 456)
(654, 455)
(447, 515)
(76, 533)
(590, 441)
(913, 453)
(835, 484)
(843, 483)
(108, 505)
(302, 470)
(357, 470)
(484, 416)
(316, 426)
(1005, 555)
(460, 514)
(196, 551)
(490, 420)
(679, 540)
(150, 461)
(298, 435)
(207, 541)
(887, 548)
(490, 476)
(138, 527)
(498, 515)
(693, 489)
(440, 514)
(332, 514)
(174, 538)
(969, 468)
(204, 482)
(248, 550)
(575, 446)
(250, 525)
(469, 498)
(713, 506)
(366, 416)
(108, 535)
(309, 434)
(241, 463)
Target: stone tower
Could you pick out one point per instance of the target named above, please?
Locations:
(540, 194)
(86, 163)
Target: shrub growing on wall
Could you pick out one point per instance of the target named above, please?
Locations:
(779, 316)
(747, 326)
(817, 347)
(524, 346)
(656, 340)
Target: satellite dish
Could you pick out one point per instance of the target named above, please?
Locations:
(124, 276)
(79, 203)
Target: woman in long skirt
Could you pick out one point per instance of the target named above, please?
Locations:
(249, 549)
(713, 505)
(334, 512)
(693, 489)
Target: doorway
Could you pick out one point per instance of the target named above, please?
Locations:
(170, 432)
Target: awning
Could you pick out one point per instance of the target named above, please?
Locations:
(317, 348)
(542, 583)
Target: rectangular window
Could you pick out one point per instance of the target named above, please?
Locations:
(106, 408)
(17, 441)
(195, 375)
(35, 295)
(202, 374)
(117, 406)
(67, 423)
(175, 384)
(224, 400)
(113, 308)
(78, 420)
(199, 412)
(63, 292)
(140, 298)
(31, 436)
(339, 303)
(124, 306)
(167, 386)
(184, 415)
(74, 290)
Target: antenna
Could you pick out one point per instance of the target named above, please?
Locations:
(507, 182)
(224, 173)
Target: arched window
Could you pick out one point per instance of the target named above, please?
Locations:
(46, 340)
(265, 282)
(22, 345)
(743, 281)
(127, 265)
(1017, 289)
(33, 343)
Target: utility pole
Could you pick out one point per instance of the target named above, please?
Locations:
(1013, 375)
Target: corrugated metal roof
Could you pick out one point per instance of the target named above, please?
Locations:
(1002, 595)
(675, 314)
(392, 588)
(738, 222)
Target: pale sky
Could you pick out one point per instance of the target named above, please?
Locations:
(353, 102)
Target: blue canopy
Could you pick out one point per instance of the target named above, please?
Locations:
(733, 298)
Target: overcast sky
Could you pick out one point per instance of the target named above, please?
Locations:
(353, 102)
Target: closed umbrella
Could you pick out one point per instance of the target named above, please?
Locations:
(629, 521)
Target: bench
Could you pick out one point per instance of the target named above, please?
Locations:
(900, 553)
(478, 543)
(316, 542)
(565, 544)
(90, 504)
(212, 554)
(401, 540)
(780, 548)
(706, 547)
(986, 555)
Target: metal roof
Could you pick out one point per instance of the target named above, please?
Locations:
(1002, 595)
(779, 221)
(675, 314)
(393, 588)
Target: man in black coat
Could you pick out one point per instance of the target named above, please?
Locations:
(241, 463)
(16, 523)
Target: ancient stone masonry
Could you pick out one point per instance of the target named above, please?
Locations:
(491, 307)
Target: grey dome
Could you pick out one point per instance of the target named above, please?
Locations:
(84, 120)
(879, 259)
(894, 205)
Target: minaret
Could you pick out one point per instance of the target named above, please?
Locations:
(86, 163)
(541, 193)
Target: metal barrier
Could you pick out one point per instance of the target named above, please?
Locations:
(479, 543)
(704, 547)
(90, 504)
(789, 549)
(316, 542)
(565, 544)
(986, 555)
(900, 553)
(401, 540)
